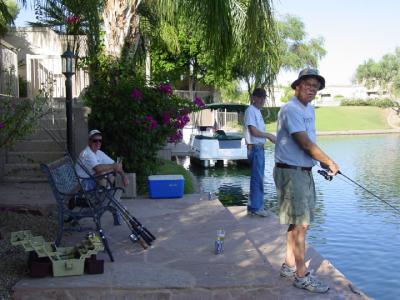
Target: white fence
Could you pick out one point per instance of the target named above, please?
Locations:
(44, 72)
(191, 94)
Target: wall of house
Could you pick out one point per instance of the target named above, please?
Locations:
(39, 51)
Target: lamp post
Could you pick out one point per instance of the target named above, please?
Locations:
(68, 69)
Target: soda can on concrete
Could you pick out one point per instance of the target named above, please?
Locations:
(219, 241)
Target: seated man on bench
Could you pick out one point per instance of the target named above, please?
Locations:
(98, 163)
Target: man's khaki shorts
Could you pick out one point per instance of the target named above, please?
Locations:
(296, 196)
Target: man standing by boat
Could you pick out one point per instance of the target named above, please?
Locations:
(296, 152)
(256, 136)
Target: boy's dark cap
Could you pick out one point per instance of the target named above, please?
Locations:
(259, 92)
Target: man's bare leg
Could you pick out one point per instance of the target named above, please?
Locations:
(290, 244)
(299, 235)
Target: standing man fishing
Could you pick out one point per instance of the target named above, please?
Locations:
(296, 152)
(255, 139)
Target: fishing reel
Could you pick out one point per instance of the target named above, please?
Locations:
(325, 174)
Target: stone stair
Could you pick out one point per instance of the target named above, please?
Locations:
(22, 162)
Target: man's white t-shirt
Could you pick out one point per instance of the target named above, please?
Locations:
(294, 117)
(253, 117)
(90, 160)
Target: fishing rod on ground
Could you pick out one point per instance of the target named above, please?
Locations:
(328, 177)
(139, 233)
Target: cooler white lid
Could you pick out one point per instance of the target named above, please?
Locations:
(165, 177)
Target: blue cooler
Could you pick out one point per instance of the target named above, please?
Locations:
(166, 186)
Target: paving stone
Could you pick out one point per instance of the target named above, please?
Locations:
(181, 264)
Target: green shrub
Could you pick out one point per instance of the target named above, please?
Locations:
(382, 103)
(136, 120)
(19, 117)
(270, 114)
(354, 102)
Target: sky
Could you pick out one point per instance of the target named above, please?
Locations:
(353, 30)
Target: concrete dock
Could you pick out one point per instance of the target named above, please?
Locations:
(181, 263)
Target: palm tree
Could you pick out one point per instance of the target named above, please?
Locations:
(239, 30)
(8, 12)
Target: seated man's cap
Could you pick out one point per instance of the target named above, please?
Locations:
(259, 92)
(94, 132)
(307, 73)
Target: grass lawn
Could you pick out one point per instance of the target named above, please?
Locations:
(347, 118)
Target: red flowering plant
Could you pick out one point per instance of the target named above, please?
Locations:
(73, 31)
(136, 119)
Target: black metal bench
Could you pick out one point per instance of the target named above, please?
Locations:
(66, 186)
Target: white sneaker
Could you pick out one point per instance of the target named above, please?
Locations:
(261, 213)
(287, 272)
(310, 283)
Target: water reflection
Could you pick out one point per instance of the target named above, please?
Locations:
(357, 232)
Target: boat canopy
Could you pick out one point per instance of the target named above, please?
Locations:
(230, 107)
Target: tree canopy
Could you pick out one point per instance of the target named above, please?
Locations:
(296, 50)
(8, 13)
(222, 25)
(383, 74)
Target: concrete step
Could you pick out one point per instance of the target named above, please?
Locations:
(21, 179)
(45, 145)
(28, 172)
(32, 157)
(18, 169)
(41, 134)
(58, 123)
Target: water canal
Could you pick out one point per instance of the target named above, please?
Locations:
(358, 233)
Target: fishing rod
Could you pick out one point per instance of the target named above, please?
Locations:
(138, 232)
(328, 177)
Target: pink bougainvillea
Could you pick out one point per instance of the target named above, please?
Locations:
(176, 137)
(137, 94)
(151, 122)
(166, 117)
(165, 88)
(198, 102)
(72, 19)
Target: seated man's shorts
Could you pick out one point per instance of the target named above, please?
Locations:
(296, 196)
(88, 184)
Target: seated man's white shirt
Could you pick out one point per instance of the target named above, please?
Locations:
(90, 160)
(253, 117)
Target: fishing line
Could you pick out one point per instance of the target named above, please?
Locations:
(330, 177)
